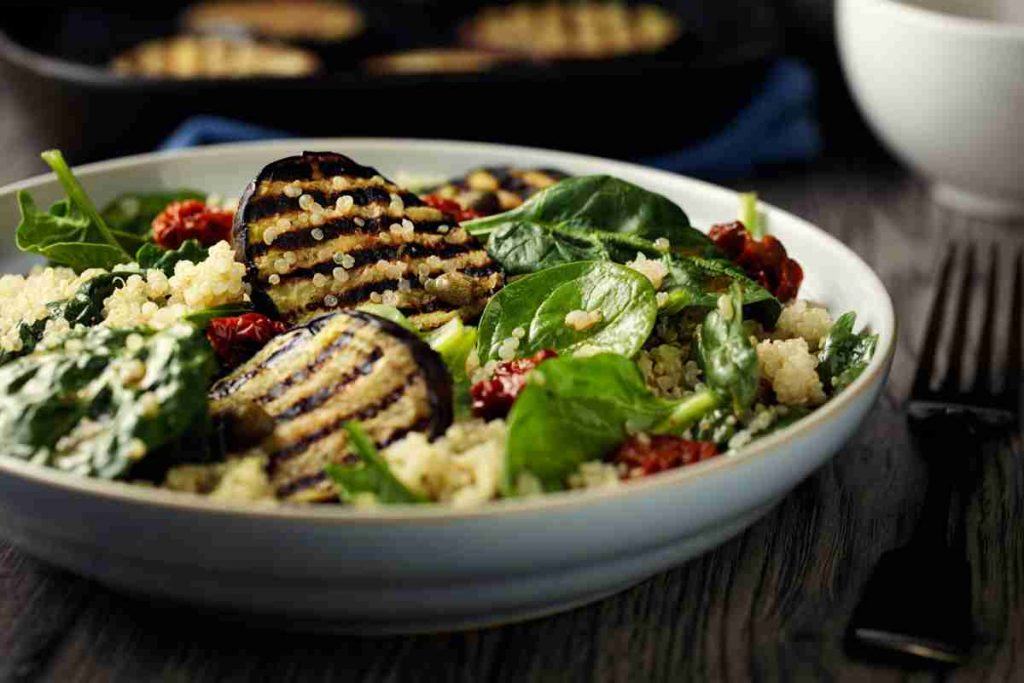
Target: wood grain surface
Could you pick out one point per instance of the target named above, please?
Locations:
(772, 604)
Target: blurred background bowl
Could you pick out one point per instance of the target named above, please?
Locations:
(942, 84)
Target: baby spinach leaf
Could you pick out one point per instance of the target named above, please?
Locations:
(604, 203)
(538, 304)
(845, 354)
(523, 248)
(574, 410)
(133, 212)
(71, 233)
(726, 355)
(698, 282)
(695, 281)
(64, 236)
(151, 256)
(101, 405)
(370, 475)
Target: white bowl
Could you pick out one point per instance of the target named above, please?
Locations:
(942, 83)
(405, 569)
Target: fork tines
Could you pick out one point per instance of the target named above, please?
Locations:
(953, 302)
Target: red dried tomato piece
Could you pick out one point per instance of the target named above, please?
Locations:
(493, 397)
(764, 260)
(237, 338)
(191, 219)
(651, 454)
(451, 208)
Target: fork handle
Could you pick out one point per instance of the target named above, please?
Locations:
(951, 444)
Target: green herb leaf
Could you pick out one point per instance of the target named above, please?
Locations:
(727, 356)
(574, 410)
(539, 303)
(600, 202)
(150, 256)
(86, 406)
(845, 354)
(370, 475)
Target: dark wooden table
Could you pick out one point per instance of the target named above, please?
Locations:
(770, 604)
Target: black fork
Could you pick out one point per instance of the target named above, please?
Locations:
(917, 602)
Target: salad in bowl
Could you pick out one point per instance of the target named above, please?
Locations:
(332, 337)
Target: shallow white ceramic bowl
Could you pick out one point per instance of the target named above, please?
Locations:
(404, 569)
(942, 83)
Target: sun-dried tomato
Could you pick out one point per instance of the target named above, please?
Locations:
(651, 454)
(493, 397)
(764, 260)
(191, 219)
(237, 338)
(451, 208)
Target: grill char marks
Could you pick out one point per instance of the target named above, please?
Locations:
(387, 243)
(272, 205)
(344, 366)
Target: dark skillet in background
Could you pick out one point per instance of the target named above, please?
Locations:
(57, 56)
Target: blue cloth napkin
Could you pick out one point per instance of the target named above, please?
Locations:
(778, 125)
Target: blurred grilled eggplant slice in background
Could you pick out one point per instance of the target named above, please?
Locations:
(320, 232)
(347, 365)
(495, 189)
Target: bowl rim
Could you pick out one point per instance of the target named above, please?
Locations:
(874, 374)
(928, 16)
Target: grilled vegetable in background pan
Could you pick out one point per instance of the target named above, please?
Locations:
(320, 232)
(345, 366)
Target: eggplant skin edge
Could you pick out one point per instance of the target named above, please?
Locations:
(439, 380)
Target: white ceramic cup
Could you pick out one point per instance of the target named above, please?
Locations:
(942, 84)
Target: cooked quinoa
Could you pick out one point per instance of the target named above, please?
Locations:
(803, 319)
(792, 370)
(160, 301)
(463, 467)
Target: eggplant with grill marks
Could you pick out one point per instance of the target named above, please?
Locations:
(340, 367)
(320, 232)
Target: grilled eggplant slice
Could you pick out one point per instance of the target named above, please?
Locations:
(347, 365)
(320, 232)
(492, 190)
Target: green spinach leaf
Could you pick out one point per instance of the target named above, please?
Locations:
(845, 353)
(692, 281)
(534, 308)
(132, 213)
(71, 233)
(727, 356)
(370, 475)
(606, 204)
(105, 401)
(574, 410)
(151, 256)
